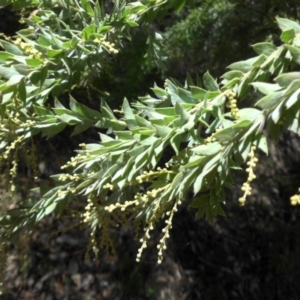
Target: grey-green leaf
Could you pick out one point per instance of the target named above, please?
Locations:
(264, 48)
(209, 82)
(285, 79)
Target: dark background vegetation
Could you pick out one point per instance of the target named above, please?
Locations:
(253, 253)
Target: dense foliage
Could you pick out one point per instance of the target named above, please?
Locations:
(198, 37)
(179, 143)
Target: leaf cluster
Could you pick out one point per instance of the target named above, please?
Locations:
(123, 177)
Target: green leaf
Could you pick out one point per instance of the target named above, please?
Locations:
(19, 4)
(219, 210)
(184, 115)
(132, 23)
(88, 32)
(243, 66)
(160, 93)
(186, 96)
(229, 133)
(5, 55)
(83, 110)
(244, 87)
(285, 79)
(266, 88)
(15, 79)
(175, 142)
(200, 213)
(288, 35)
(292, 99)
(209, 82)
(52, 53)
(68, 119)
(264, 48)
(85, 4)
(259, 60)
(41, 111)
(200, 201)
(22, 69)
(54, 129)
(231, 83)
(35, 77)
(194, 161)
(198, 93)
(263, 144)
(105, 138)
(162, 131)
(250, 114)
(295, 52)
(180, 5)
(233, 75)
(11, 48)
(7, 73)
(189, 81)
(198, 183)
(286, 24)
(270, 100)
(44, 75)
(22, 91)
(141, 160)
(80, 127)
(294, 86)
(128, 114)
(186, 182)
(208, 149)
(176, 181)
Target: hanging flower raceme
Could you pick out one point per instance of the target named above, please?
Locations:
(247, 185)
(295, 200)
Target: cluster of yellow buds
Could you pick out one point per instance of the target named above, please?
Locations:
(65, 177)
(232, 104)
(146, 175)
(123, 207)
(211, 138)
(75, 161)
(91, 174)
(144, 240)
(27, 48)
(15, 119)
(251, 165)
(14, 144)
(28, 123)
(296, 198)
(118, 111)
(89, 208)
(166, 84)
(108, 45)
(61, 193)
(139, 199)
(94, 242)
(13, 170)
(169, 164)
(108, 186)
(162, 243)
(153, 193)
